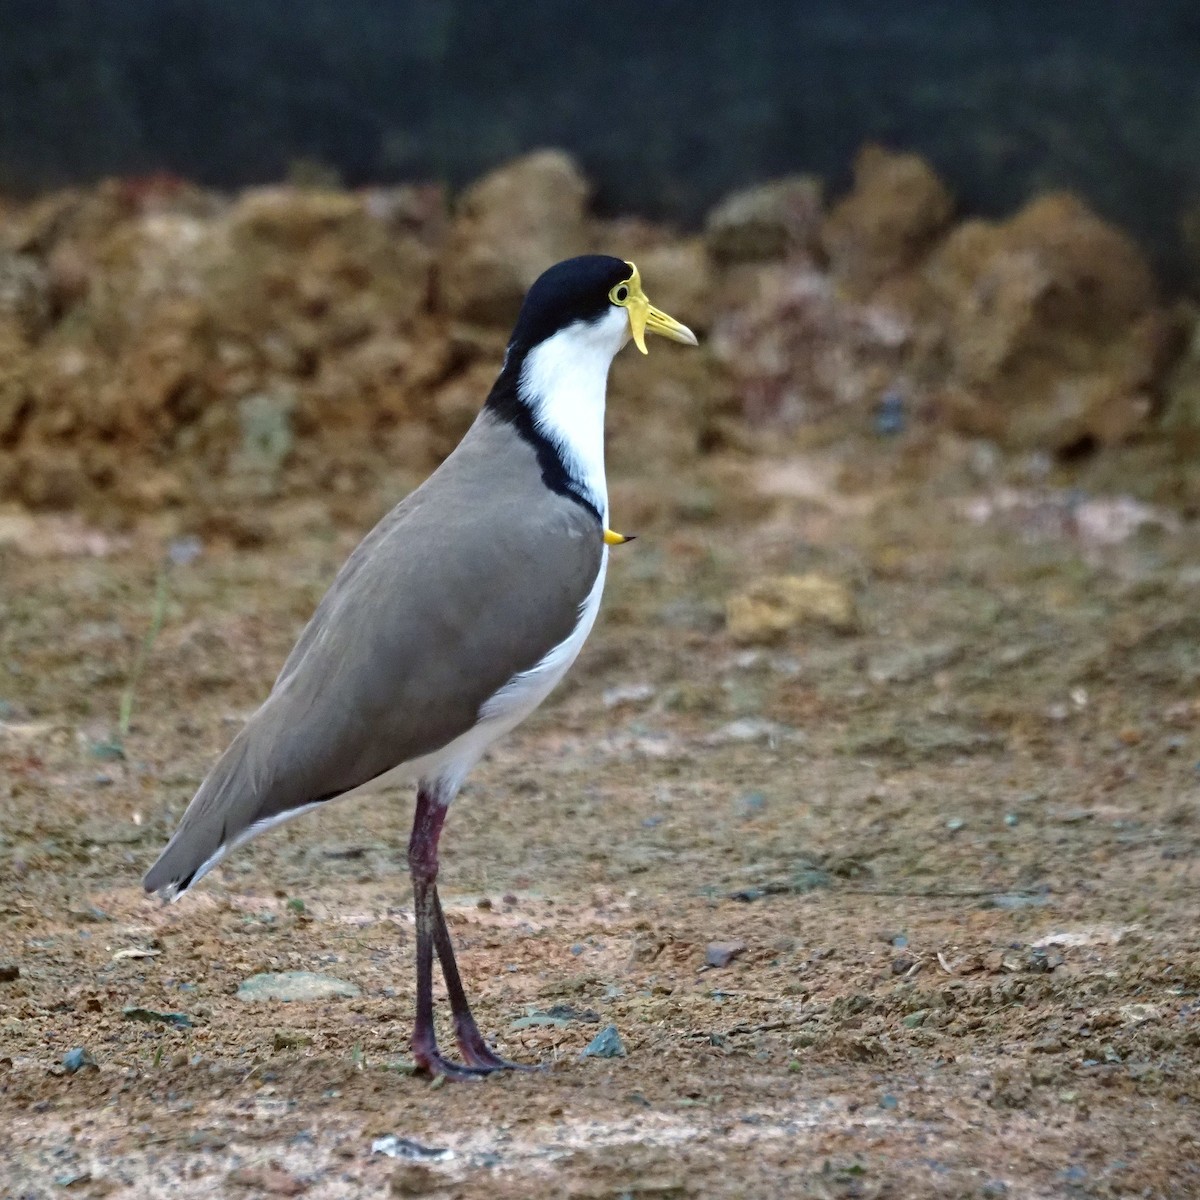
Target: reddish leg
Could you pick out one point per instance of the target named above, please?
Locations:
(471, 1045)
(433, 935)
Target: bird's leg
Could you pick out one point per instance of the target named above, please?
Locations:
(471, 1045)
(431, 927)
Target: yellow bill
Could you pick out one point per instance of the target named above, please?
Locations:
(643, 316)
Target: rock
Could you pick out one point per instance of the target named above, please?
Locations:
(1050, 334)
(400, 1147)
(721, 954)
(773, 606)
(151, 1017)
(606, 1044)
(295, 985)
(9, 972)
(627, 693)
(776, 220)
(272, 1179)
(508, 228)
(286, 1039)
(78, 1059)
(895, 212)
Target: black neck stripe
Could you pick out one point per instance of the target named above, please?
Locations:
(505, 403)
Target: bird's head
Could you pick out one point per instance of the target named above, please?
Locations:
(603, 297)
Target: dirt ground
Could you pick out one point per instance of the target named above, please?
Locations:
(954, 851)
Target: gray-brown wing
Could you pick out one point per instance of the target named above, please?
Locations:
(471, 580)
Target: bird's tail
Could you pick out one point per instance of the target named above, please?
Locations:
(212, 825)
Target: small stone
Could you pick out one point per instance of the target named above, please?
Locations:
(721, 954)
(151, 1017)
(606, 1044)
(406, 1148)
(1011, 820)
(902, 964)
(889, 416)
(78, 1059)
(184, 550)
(537, 1020)
(751, 804)
(955, 824)
(888, 1101)
(272, 1179)
(775, 605)
(9, 972)
(916, 1020)
(295, 986)
(627, 693)
(110, 751)
(287, 1039)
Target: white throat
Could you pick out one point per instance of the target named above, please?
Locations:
(563, 381)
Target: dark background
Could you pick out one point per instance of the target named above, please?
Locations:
(667, 104)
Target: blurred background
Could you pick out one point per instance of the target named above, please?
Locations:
(230, 222)
(880, 770)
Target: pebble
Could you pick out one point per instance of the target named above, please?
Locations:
(294, 985)
(627, 693)
(77, 1059)
(400, 1147)
(889, 416)
(286, 1039)
(606, 1044)
(751, 804)
(150, 1016)
(721, 954)
(540, 1019)
(111, 751)
(773, 606)
(272, 1179)
(887, 1100)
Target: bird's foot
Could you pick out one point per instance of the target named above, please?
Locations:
(478, 1054)
(436, 1065)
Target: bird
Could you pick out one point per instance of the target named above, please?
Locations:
(447, 626)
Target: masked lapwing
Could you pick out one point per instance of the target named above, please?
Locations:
(450, 623)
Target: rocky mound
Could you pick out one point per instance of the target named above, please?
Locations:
(163, 346)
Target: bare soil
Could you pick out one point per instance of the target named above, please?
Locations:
(958, 849)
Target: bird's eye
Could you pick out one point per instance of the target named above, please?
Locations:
(620, 293)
